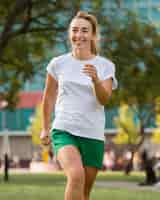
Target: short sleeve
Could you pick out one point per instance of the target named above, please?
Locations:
(109, 72)
(51, 68)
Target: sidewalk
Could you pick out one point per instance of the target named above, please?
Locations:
(127, 185)
(103, 184)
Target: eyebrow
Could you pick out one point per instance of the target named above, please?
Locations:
(83, 28)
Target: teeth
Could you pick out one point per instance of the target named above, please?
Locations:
(79, 40)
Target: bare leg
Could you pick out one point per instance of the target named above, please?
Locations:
(70, 160)
(90, 176)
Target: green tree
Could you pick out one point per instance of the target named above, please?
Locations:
(33, 27)
(134, 48)
(29, 29)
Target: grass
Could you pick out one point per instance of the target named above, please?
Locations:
(51, 187)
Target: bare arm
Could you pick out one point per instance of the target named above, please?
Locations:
(103, 89)
(48, 102)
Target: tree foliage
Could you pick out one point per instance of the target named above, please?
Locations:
(128, 126)
(134, 47)
(29, 29)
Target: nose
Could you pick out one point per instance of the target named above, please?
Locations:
(79, 34)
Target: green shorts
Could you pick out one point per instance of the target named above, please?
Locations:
(91, 150)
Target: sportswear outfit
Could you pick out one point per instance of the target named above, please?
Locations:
(78, 114)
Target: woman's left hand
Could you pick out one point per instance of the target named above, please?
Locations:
(91, 71)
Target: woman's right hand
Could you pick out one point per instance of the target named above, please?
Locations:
(45, 138)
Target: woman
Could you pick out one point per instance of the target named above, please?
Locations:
(80, 82)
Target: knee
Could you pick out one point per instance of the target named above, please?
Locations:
(76, 177)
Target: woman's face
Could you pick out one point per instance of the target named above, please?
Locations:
(81, 34)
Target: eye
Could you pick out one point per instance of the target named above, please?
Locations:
(74, 30)
(84, 30)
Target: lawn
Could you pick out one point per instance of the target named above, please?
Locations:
(51, 187)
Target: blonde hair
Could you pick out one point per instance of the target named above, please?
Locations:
(93, 21)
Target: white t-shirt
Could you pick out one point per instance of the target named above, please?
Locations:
(77, 109)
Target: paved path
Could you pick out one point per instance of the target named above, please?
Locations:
(127, 185)
(106, 184)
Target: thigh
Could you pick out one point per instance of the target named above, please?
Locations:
(70, 160)
(67, 152)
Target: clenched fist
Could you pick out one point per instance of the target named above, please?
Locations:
(45, 138)
(91, 71)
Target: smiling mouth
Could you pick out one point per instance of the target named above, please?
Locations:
(79, 42)
(74, 40)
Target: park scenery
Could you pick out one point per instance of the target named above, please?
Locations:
(32, 32)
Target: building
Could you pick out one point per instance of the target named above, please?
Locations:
(15, 123)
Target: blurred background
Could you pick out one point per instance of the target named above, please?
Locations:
(33, 31)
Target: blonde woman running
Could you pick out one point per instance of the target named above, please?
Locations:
(78, 85)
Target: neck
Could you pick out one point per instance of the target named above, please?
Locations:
(82, 55)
